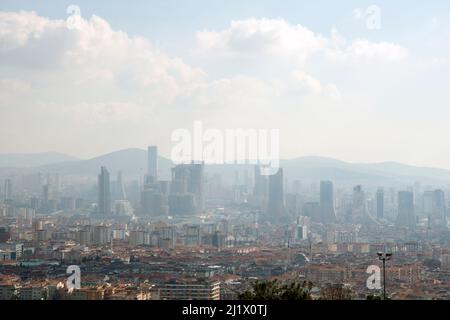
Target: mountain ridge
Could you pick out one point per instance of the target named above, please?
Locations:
(133, 161)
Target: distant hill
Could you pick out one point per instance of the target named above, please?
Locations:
(345, 173)
(307, 169)
(24, 160)
(131, 161)
(313, 169)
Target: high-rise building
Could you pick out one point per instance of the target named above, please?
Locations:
(187, 182)
(435, 208)
(84, 237)
(312, 210)
(5, 235)
(182, 204)
(152, 158)
(136, 238)
(276, 205)
(427, 203)
(104, 192)
(154, 200)
(260, 189)
(359, 197)
(101, 234)
(440, 207)
(301, 232)
(405, 217)
(8, 189)
(417, 191)
(360, 209)
(380, 203)
(293, 203)
(55, 182)
(46, 193)
(119, 188)
(196, 185)
(327, 211)
(192, 235)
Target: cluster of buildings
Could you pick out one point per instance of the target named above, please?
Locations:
(194, 237)
(184, 194)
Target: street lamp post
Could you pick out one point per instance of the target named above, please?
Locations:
(383, 256)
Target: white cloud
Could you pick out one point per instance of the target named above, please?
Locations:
(278, 39)
(18, 29)
(111, 112)
(307, 82)
(95, 89)
(92, 52)
(273, 37)
(362, 50)
(57, 84)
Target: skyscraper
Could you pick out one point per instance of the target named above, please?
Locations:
(312, 210)
(196, 185)
(327, 212)
(46, 193)
(257, 188)
(380, 203)
(405, 217)
(104, 192)
(261, 188)
(427, 203)
(154, 199)
(54, 182)
(438, 216)
(8, 189)
(119, 188)
(188, 181)
(360, 211)
(152, 158)
(153, 202)
(275, 206)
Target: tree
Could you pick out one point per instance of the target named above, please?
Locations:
(336, 292)
(297, 291)
(272, 290)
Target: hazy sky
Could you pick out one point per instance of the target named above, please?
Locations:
(129, 75)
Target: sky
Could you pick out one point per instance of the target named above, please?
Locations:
(359, 81)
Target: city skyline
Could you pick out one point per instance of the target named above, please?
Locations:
(224, 150)
(124, 233)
